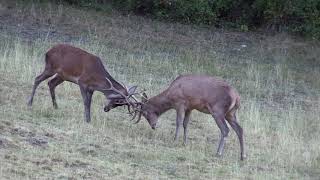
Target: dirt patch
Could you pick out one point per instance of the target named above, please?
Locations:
(86, 151)
(22, 131)
(50, 135)
(38, 141)
(57, 160)
(21, 134)
(91, 149)
(6, 143)
(11, 157)
(4, 126)
(76, 164)
(18, 172)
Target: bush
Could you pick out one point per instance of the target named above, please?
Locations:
(297, 16)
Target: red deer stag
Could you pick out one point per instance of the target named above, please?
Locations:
(75, 65)
(206, 94)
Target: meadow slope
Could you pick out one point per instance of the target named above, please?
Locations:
(277, 77)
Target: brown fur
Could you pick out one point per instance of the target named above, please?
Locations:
(206, 94)
(68, 63)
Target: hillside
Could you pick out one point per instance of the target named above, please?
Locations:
(276, 76)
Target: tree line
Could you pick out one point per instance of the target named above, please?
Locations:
(295, 16)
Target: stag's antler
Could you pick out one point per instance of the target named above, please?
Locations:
(112, 88)
(137, 111)
(138, 108)
(137, 105)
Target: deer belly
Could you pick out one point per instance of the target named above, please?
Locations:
(74, 79)
(204, 110)
(202, 107)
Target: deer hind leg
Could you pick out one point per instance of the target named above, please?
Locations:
(53, 83)
(45, 75)
(232, 120)
(224, 131)
(219, 116)
(87, 97)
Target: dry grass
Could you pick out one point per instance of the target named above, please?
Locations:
(277, 77)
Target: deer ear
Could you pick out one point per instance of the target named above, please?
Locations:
(132, 89)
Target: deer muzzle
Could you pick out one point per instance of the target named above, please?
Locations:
(106, 109)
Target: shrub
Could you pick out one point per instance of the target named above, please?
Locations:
(297, 16)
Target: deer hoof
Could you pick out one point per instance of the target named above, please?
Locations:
(243, 157)
(218, 155)
(29, 104)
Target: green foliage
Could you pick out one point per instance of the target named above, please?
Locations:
(191, 11)
(297, 16)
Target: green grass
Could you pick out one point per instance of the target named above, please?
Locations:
(277, 77)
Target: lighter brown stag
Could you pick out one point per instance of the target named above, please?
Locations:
(206, 94)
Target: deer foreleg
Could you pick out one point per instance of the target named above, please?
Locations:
(179, 120)
(87, 96)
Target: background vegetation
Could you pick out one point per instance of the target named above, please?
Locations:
(296, 16)
(277, 77)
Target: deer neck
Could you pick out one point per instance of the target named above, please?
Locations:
(161, 103)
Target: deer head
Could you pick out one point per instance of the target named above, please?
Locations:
(117, 98)
(145, 109)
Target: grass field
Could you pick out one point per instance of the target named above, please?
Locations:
(277, 77)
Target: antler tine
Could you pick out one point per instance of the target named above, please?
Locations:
(143, 96)
(113, 88)
(137, 93)
(129, 110)
(117, 91)
(128, 102)
(139, 118)
(130, 95)
(135, 105)
(134, 98)
(124, 86)
(134, 115)
(137, 110)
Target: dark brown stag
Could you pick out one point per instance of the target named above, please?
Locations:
(68, 63)
(206, 94)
